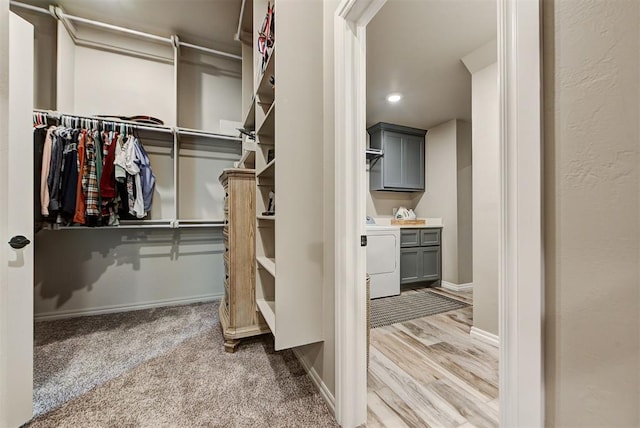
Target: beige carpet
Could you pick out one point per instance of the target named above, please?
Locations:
(178, 375)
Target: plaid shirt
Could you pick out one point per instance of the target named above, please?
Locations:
(90, 185)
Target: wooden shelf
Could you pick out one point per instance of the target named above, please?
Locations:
(267, 127)
(249, 122)
(265, 92)
(244, 32)
(267, 217)
(268, 170)
(248, 159)
(268, 309)
(268, 264)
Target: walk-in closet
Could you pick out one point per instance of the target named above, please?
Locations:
(95, 77)
(174, 254)
(154, 134)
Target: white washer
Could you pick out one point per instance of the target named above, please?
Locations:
(383, 260)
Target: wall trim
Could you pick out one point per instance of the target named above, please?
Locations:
(485, 336)
(456, 287)
(74, 313)
(482, 57)
(317, 381)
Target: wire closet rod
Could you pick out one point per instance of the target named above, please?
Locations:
(148, 127)
(59, 14)
(137, 125)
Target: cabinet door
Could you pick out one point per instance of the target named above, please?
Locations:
(410, 265)
(430, 263)
(412, 162)
(409, 238)
(429, 237)
(393, 160)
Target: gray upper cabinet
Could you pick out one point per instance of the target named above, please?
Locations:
(401, 167)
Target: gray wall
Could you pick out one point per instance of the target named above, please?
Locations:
(486, 211)
(592, 323)
(465, 199)
(107, 270)
(440, 185)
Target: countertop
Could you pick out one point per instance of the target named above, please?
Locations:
(430, 223)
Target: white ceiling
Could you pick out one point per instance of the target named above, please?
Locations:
(210, 23)
(414, 47)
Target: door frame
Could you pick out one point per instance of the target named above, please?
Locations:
(521, 284)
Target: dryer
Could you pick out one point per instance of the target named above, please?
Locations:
(383, 260)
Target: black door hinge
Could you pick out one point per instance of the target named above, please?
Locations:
(363, 240)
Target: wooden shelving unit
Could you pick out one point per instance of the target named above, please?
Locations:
(238, 310)
(289, 298)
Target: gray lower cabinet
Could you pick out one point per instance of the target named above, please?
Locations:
(420, 255)
(430, 258)
(410, 265)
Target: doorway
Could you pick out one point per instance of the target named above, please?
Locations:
(519, 247)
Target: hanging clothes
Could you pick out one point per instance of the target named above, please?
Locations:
(39, 136)
(89, 177)
(44, 176)
(55, 170)
(79, 216)
(90, 182)
(108, 180)
(69, 174)
(147, 179)
(127, 159)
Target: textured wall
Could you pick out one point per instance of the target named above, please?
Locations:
(591, 97)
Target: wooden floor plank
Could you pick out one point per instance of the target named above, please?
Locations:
(380, 414)
(431, 372)
(429, 409)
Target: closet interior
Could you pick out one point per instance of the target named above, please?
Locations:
(174, 253)
(179, 252)
(233, 200)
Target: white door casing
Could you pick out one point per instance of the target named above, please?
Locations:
(17, 302)
(520, 276)
(350, 22)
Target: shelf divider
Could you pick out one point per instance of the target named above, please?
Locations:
(269, 264)
(268, 309)
(268, 170)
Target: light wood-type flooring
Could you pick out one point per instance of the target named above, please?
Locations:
(430, 372)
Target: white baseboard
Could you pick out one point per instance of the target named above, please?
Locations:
(456, 287)
(73, 313)
(485, 336)
(318, 382)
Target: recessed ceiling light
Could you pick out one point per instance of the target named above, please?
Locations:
(394, 98)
